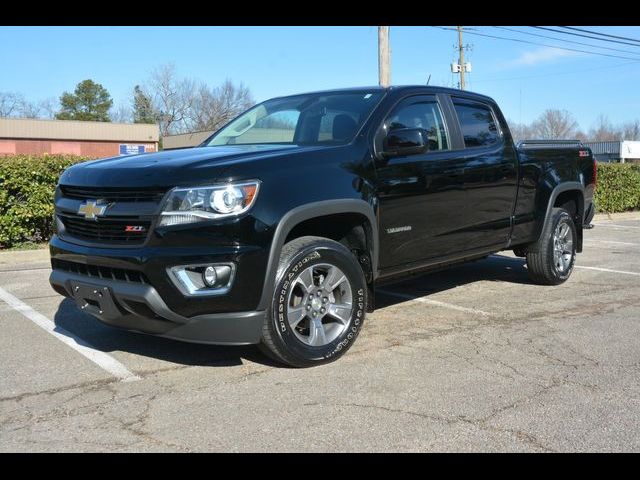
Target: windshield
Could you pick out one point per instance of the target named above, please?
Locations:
(312, 119)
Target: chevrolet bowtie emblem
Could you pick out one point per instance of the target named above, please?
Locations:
(92, 209)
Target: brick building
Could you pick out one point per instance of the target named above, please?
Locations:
(89, 139)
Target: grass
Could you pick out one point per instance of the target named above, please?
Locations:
(27, 246)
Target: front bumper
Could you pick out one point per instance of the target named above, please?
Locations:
(153, 262)
(140, 307)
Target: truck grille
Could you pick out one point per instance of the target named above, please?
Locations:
(114, 194)
(108, 273)
(107, 230)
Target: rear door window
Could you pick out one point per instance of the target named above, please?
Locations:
(478, 125)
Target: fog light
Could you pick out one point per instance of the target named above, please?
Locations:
(210, 277)
(207, 279)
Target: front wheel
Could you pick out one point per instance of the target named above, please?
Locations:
(318, 305)
(550, 260)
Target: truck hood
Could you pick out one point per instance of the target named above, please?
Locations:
(173, 167)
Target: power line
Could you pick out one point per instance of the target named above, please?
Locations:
(602, 34)
(568, 41)
(544, 45)
(587, 36)
(557, 73)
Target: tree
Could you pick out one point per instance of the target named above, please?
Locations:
(143, 111)
(90, 101)
(555, 124)
(603, 130)
(121, 114)
(48, 108)
(520, 131)
(172, 99)
(181, 105)
(213, 107)
(30, 109)
(10, 103)
(631, 130)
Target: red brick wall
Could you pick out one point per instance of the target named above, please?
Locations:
(75, 147)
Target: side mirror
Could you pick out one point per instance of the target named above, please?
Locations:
(405, 141)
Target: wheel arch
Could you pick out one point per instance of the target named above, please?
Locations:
(562, 193)
(309, 212)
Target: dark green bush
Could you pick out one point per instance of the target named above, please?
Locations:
(618, 187)
(27, 185)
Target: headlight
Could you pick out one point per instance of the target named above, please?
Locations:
(189, 205)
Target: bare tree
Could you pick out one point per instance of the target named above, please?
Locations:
(520, 131)
(555, 124)
(28, 109)
(121, 114)
(213, 107)
(603, 130)
(10, 103)
(173, 99)
(49, 107)
(631, 130)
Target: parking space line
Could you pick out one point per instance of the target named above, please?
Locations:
(614, 225)
(623, 272)
(595, 240)
(436, 303)
(101, 359)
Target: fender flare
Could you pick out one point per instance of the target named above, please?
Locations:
(563, 187)
(307, 212)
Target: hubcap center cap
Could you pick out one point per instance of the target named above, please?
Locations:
(316, 303)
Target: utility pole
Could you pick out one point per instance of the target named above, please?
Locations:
(461, 67)
(384, 57)
(461, 58)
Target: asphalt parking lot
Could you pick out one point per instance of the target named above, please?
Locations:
(475, 358)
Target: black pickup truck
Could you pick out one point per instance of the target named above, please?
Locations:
(277, 228)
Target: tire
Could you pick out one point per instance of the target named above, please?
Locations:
(302, 328)
(549, 262)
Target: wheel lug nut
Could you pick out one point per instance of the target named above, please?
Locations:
(315, 313)
(325, 299)
(308, 307)
(322, 310)
(318, 293)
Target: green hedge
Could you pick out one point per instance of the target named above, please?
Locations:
(618, 187)
(27, 185)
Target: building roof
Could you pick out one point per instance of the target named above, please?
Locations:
(77, 130)
(184, 140)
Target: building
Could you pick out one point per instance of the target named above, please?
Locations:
(185, 140)
(619, 151)
(88, 139)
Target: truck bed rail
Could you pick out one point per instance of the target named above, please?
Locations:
(532, 144)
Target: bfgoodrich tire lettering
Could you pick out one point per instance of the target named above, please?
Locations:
(286, 342)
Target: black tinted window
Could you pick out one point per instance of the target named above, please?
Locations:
(479, 129)
(421, 114)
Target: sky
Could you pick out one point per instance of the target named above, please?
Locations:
(525, 79)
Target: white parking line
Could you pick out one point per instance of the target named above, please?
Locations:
(104, 361)
(594, 240)
(614, 225)
(436, 303)
(623, 272)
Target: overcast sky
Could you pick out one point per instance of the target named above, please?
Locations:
(525, 79)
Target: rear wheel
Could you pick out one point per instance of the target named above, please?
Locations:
(550, 260)
(318, 305)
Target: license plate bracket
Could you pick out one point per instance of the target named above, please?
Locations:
(96, 300)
